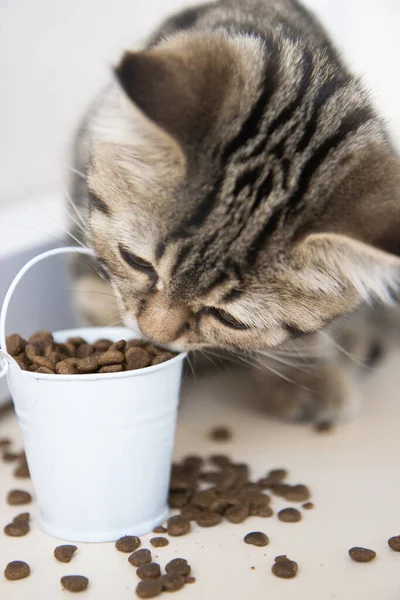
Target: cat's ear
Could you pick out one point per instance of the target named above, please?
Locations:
(179, 85)
(357, 240)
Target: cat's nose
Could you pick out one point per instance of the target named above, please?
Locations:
(164, 324)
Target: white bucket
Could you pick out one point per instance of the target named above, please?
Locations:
(99, 446)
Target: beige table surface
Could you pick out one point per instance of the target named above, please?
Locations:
(353, 473)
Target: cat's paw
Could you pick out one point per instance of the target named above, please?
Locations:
(325, 393)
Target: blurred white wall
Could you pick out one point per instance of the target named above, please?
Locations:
(56, 54)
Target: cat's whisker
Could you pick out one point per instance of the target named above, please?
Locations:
(72, 203)
(191, 366)
(79, 173)
(93, 292)
(206, 354)
(61, 241)
(351, 356)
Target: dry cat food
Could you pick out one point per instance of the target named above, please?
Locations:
(18, 497)
(394, 543)
(172, 582)
(74, 583)
(65, 552)
(140, 557)
(178, 566)
(149, 588)
(220, 434)
(284, 567)
(159, 529)
(149, 571)
(19, 526)
(42, 354)
(17, 569)
(128, 543)
(231, 494)
(361, 554)
(256, 538)
(159, 542)
(289, 515)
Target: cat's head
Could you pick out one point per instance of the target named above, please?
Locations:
(222, 216)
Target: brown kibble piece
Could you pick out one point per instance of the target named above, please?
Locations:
(76, 341)
(308, 505)
(85, 351)
(41, 337)
(298, 493)
(5, 442)
(75, 583)
(289, 515)
(178, 566)
(22, 361)
(120, 345)
(111, 357)
(261, 511)
(42, 361)
(128, 543)
(149, 588)
(361, 554)
(394, 543)
(159, 542)
(191, 512)
(149, 571)
(111, 369)
(15, 344)
(284, 567)
(102, 345)
(172, 582)
(65, 552)
(87, 365)
(16, 529)
(22, 517)
(137, 358)
(273, 477)
(159, 529)
(256, 538)
(64, 368)
(17, 569)
(31, 352)
(22, 471)
(237, 514)
(9, 457)
(162, 357)
(45, 370)
(220, 460)
(220, 434)
(208, 519)
(140, 557)
(178, 526)
(190, 579)
(17, 497)
(177, 499)
(323, 427)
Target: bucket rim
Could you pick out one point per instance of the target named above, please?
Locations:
(95, 376)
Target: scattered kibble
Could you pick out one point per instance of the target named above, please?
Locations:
(284, 567)
(140, 557)
(74, 583)
(394, 543)
(18, 497)
(149, 588)
(159, 542)
(149, 571)
(361, 554)
(289, 515)
(17, 569)
(128, 543)
(65, 552)
(178, 566)
(256, 538)
(221, 434)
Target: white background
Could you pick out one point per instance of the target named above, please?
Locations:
(56, 54)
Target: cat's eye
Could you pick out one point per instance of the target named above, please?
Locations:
(226, 318)
(135, 261)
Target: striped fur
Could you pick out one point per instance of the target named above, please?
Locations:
(239, 158)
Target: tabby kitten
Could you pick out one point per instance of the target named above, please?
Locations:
(240, 192)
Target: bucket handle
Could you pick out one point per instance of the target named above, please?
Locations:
(4, 356)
